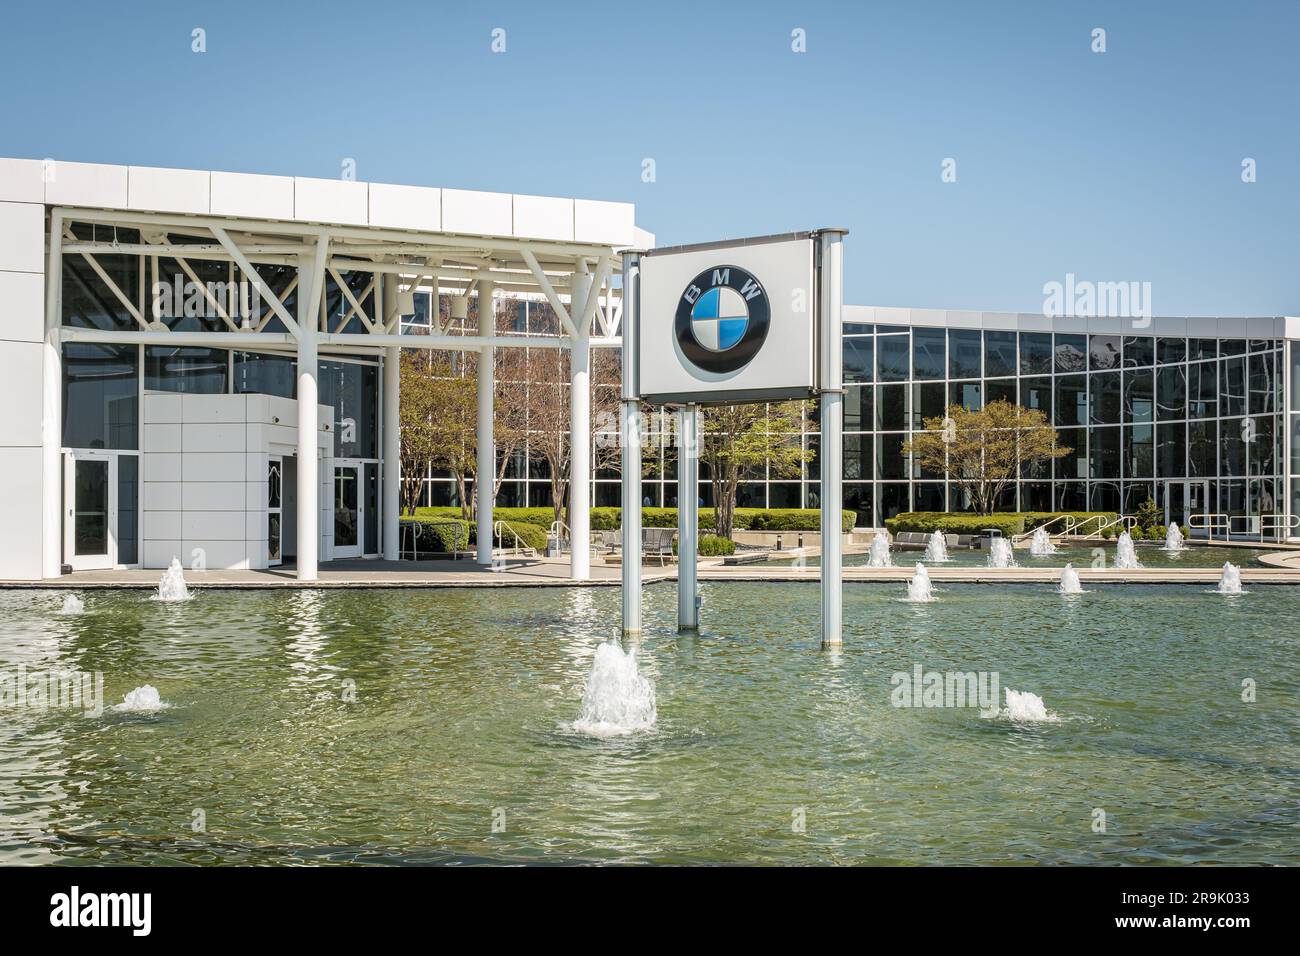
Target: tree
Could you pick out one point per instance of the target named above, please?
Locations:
(438, 409)
(549, 410)
(738, 439)
(985, 451)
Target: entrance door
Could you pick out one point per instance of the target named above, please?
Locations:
(348, 515)
(90, 510)
(275, 510)
(1195, 496)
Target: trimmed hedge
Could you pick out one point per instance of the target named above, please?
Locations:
(610, 519)
(437, 535)
(1009, 523)
(711, 546)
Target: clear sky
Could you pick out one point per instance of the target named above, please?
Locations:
(1115, 166)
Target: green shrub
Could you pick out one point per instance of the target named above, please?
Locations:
(789, 519)
(436, 535)
(531, 535)
(1035, 518)
(711, 546)
(1008, 522)
(1149, 514)
(955, 523)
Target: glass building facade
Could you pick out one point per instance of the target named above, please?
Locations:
(1192, 421)
(1191, 413)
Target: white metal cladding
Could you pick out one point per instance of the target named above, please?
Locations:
(785, 363)
(329, 201)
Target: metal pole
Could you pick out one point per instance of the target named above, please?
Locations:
(688, 500)
(52, 412)
(831, 387)
(485, 470)
(580, 434)
(630, 436)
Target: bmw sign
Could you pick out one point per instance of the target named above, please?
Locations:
(728, 322)
(722, 319)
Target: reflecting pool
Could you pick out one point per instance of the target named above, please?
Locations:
(386, 726)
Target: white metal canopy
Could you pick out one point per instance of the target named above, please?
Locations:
(579, 279)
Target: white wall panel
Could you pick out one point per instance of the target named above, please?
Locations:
(331, 201)
(22, 306)
(20, 490)
(477, 213)
(168, 190)
(543, 217)
(22, 237)
(22, 180)
(251, 196)
(406, 207)
(21, 372)
(610, 223)
(87, 184)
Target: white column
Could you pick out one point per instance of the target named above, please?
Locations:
(52, 408)
(831, 386)
(688, 511)
(630, 438)
(391, 505)
(580, 433)
(308, 503)
(485, 471)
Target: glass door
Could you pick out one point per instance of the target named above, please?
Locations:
(90, 511)
(1197, 496)
(348, 530)
(274, 509)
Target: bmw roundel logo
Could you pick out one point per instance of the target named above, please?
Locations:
(722, 319)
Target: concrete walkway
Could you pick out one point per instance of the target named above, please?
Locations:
(517, 572)
(1281, 568)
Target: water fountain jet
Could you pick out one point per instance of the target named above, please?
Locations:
(879, 555)
(142, 700)
(1070, 580)
(172, 586)
(1042, 544)
(919, 590)
(936, 549)
(72, 605)
(1125, 555)
(1000, 555)
(1174, 538)
(1230, 580)
(617, 700)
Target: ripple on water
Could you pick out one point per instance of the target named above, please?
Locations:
(397, 726)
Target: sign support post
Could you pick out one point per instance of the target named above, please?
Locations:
(831, 390)
(688, 511)
(630, 436)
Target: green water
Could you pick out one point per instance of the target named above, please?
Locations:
(463, 699)
(1149, 556)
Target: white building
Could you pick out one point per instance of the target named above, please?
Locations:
(204, 364)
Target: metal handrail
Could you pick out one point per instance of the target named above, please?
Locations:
(1128, 522)
(1291, 523)
(1209, 522)
(1079, 526)
(519, 547)
(1069, 520)
(559, 531)
(417, 529)
(1276, 524)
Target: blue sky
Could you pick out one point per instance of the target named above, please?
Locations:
(1124, 165)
